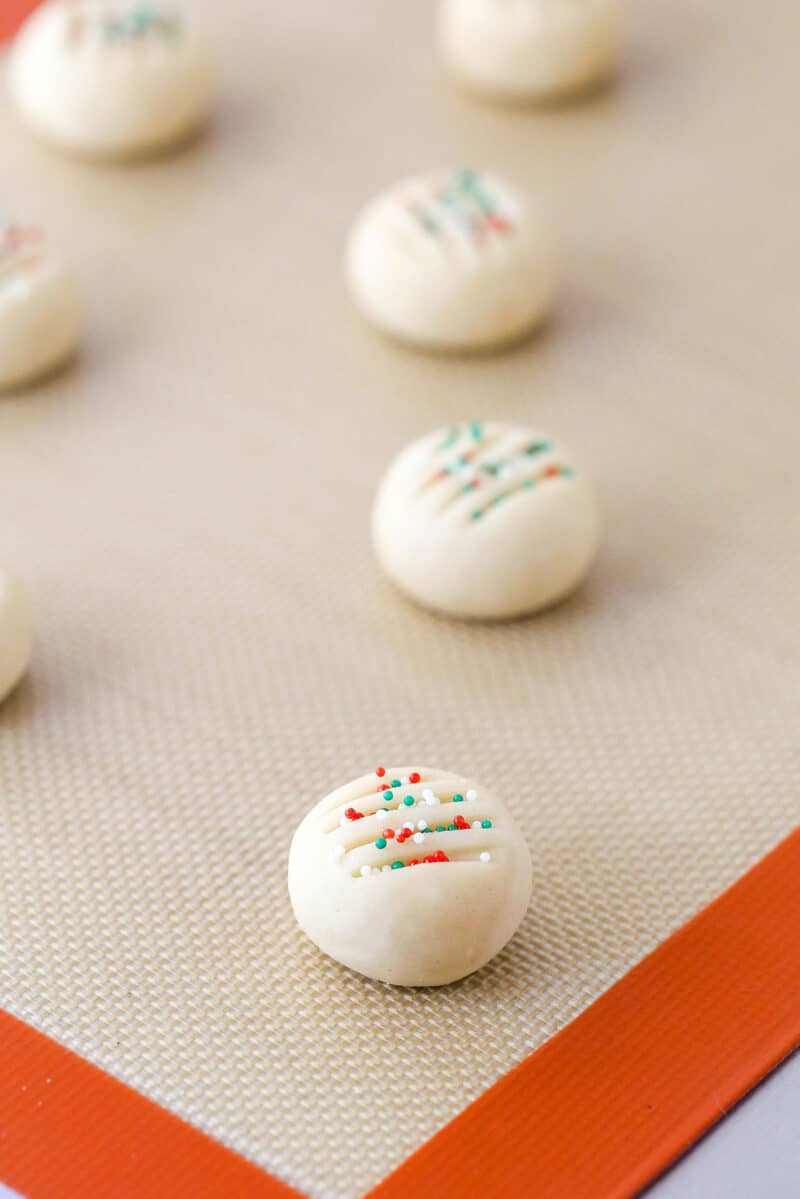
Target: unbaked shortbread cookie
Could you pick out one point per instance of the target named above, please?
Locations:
(39, 309)
(16, 633)
(485, 521)
(530, 49)
(451, 260)
(110, 77)
(411, 875)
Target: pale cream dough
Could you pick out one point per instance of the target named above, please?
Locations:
(485, 521)
(111, 77)
(39, 307)
(454, 259)
(530, 49)
(358, 897)
(16, 632)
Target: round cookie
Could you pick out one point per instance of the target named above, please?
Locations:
(110, 77)
(530, 49)
(485, 521)
(39, 309)
(16, 632)
(410, 875)
(451, 260)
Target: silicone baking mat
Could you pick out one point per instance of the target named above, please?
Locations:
(216, 648)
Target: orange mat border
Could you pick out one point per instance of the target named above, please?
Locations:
(12, 14)
(70, 1131)
(601, 1109)
(596, 1113)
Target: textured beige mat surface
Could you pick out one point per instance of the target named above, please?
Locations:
(216, 649)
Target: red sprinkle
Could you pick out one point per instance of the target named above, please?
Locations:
(414, 862)
(388, 833)
(460, 822)
(551, 471)
(381, 771)
(413, 778)
(352, 814)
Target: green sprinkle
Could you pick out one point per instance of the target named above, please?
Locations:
(477, 514)
(450, 439)
(452, 828)
(486, 824)
(398, 865)
(440, 828)
(388, 796)
(458, 799)
(529, 483)
(395, 783)
(498, 499)
(537, 447)
(567, 471)
(380, 843)
(476, 431)
(409, 801)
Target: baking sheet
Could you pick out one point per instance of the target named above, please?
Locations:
(216, 648)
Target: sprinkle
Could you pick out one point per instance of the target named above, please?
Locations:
(398, 865)
(486, 857)
(413, 778)
(440, 828)
(409, 826)
(404, 781)
(365, 870)
(537, 447)
(567, 472)
(385, 868)
(414, 862)
(529, 483)
(461, 822)
(337, 852)
(486, 824)
(388, 795)
(388, 832)
(551, 472)
(396, 783)
(475, 430)
(422, 824)
(352, 814)
(458, 799)
(477, 824)
(380, 843)
(472, 795)
(343, 819)
(429, 797)
(381, 771)
(477, 514)
(418, 838)
(409, 801)
(452, 828)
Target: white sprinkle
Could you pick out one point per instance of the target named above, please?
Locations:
(418, 837)
(472, 795)
(476, 824)
(404, 780)
(343, 820)
(365, 870)
(422, 824)
(486, 857)
(385, 868)
(337, 852)
(428, 794)
(409, 825)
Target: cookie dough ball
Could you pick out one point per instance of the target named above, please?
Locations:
(451, 260)
(39, 309)
(530, 49)
(110, 77)
(485, 521)
(16, 633)
(411, 875)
